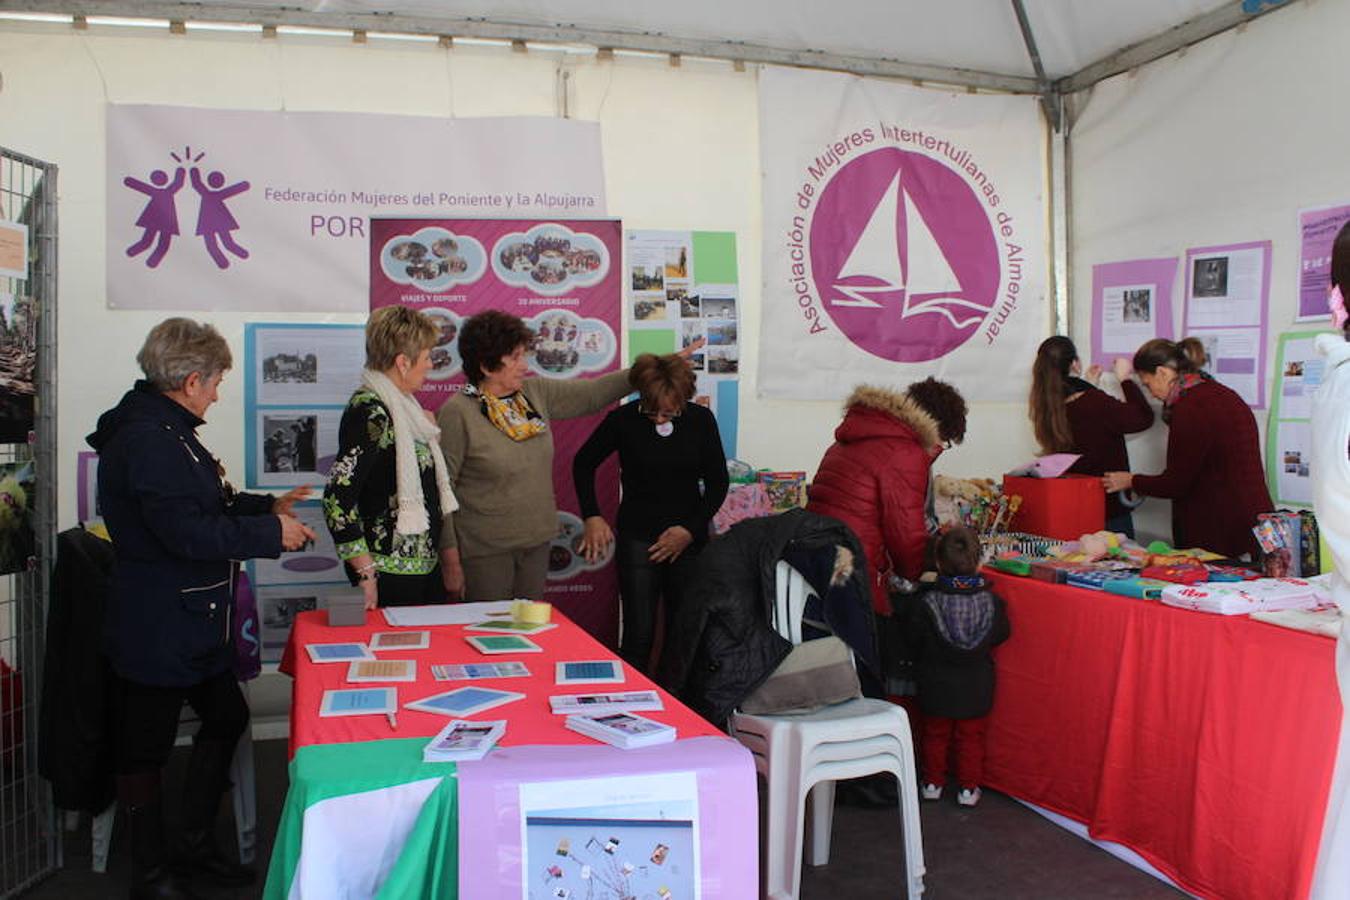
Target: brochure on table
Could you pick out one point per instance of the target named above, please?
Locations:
(1131, 304)
(1317, 230)
(563, 278)
(1227, 293)
(682, 286)
(1298, 375)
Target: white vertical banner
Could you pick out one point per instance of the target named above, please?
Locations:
(904, 236)
(235, 210)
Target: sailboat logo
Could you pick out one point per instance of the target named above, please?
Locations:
(918, 269)
(903, 255)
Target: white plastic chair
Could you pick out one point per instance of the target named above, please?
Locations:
(801, 755)
(243, 793)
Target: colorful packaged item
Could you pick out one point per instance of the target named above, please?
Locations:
(1250, 596)
(1013, 565)
(786, 490)
(1310, 543)
(1192, 573)
(1287, 559)
(1051, 570)
(1095, 579)
(1139, 588)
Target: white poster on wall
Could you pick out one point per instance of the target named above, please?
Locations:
(238, 210)
(904, 236)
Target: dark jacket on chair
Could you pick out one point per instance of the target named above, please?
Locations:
(75, 713)
(176, 529)
(723, 644)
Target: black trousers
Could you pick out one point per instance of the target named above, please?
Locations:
(147, 719)
(642, 583)
(411, 590)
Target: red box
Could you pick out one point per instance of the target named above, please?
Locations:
(1063, 508)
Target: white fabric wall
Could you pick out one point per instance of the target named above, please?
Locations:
(1224, 143)
(681, 151)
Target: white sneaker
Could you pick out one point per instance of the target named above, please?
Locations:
(968, 796)
(932, 792)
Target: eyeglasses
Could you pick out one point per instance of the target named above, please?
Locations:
(657, 413)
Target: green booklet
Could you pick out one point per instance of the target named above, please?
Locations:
(502, 643)
(511, 627)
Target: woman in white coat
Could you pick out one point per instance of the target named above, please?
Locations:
(1330, 467)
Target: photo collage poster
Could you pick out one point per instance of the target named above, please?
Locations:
(1298, 375)
(297, 381)
(1227, 289)
(611, 839)
(563, 278)
(682, 286)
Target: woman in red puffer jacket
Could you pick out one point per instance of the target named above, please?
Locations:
(874, 478)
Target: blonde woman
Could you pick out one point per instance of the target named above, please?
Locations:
(388, 495)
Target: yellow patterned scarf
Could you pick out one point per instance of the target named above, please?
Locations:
(513, 416)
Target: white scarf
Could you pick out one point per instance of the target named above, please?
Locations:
(411, 424)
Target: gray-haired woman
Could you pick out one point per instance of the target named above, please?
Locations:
(177, 526)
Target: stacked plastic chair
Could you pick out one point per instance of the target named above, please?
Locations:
(801, 755)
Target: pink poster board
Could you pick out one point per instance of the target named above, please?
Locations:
(1153, 280)
(563, 278)
(1317, 230)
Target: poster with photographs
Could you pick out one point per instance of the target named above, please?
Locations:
(611, 839)
(1298, 375)
(1227, 294)
(278, 605)
(297, 381)
(1317, 230)
(564, 278)
(1131, 304)
(291, 445)
(682, 286)
(316, 561)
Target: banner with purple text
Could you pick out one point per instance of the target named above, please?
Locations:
(564, 278)
(236, 210)
(904, 236)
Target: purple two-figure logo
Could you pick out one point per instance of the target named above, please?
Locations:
(159, 219)
(903, 255)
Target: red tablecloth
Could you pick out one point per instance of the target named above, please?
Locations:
(1205, 743)
(531, 720)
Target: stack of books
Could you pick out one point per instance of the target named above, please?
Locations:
(461, 740)
(623, 730)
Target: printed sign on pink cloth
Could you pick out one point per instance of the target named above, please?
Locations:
(1317, 230)
(563, 278)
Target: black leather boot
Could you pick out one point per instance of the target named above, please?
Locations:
(198, 853)
(138, 799)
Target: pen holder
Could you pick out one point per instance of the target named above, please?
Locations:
(531, 612)
(346, 610)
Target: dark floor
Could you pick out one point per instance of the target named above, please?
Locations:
(1000, 849)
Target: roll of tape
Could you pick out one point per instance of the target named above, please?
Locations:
(533, 612)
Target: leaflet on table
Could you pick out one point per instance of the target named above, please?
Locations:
(400, 640)
(460, 740)
(476, 671)
(443, 614)
(1051, 465)
(640, 832)
(626, 731)
(381, 670)
(463, 701)
(1317, 229)
(597, 704)
(359, 702)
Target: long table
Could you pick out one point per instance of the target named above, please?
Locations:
(1205, 743)
(365, 817)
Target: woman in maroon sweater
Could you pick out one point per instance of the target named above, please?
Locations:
(1070, 415)
(1214, 475)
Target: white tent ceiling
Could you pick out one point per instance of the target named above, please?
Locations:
(976, 42)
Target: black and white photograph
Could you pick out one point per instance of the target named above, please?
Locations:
(291, 368)
(1137, 306)
(719, 307)
(290, 443)
(1210, 277)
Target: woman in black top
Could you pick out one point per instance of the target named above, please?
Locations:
(674, 478)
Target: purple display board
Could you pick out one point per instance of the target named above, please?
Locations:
(1228, 308)
(1131, 303)
(1317, 230)
(564, 278)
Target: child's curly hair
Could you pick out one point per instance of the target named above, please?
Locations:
(957, 551)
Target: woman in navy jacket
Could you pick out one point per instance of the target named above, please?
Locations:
(176, 529)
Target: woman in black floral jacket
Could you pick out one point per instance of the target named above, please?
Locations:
(388, 494)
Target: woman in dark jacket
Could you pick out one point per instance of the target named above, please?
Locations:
(176, 529)
(874, 478)
(1070, 415)
(674, 476)
(1214, 475)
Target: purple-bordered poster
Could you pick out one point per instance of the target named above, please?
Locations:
(1131, 304)
(1317, 230)
(564, 278)
(1227, 308)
